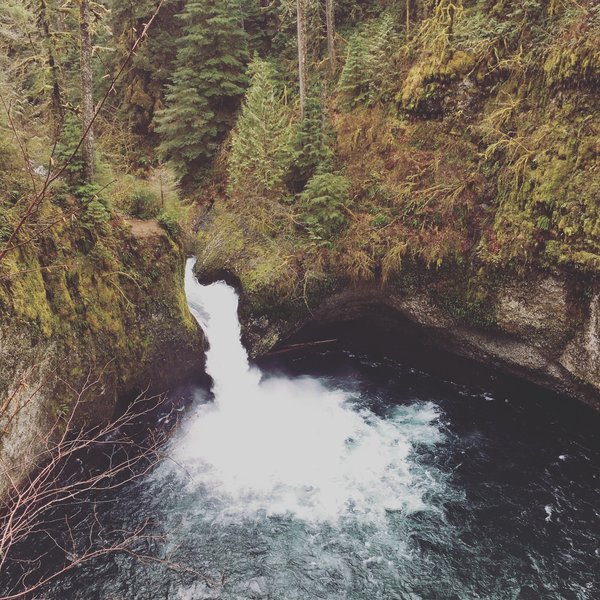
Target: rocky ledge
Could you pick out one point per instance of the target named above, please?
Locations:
(542, 329)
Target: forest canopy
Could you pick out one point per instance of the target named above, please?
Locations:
(362, 133)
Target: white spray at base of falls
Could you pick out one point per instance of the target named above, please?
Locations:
(281, 445)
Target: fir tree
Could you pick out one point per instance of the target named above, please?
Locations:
(261, 146)
(322, 204)
(313, 142)
(260, 23)
(141, 88)
(369, 69)
(206, 88)
(354, 84)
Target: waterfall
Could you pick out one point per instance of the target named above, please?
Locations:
(371, 480)
(298, 446)
(215, 308)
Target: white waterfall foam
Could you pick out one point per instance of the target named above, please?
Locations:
(291, 445)
(215, 308)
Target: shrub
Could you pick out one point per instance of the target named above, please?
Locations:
(170, 221)
(97, 208)
(323, 201)
(144, 203)
(70, 136)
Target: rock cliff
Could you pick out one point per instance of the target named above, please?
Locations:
(115, 315)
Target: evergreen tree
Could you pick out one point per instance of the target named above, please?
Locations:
(322, 203)
(261, 146)
(369, 69)
(354, 83)
(206, 88)
(380, 61)
(260, 23)
(313, 142)
(140, 91)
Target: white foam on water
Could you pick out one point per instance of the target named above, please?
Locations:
(290, 445)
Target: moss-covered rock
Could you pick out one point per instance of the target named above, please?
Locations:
(77, 309)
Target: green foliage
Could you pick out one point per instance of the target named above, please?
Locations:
(170, 221)
(368, 74)
(260, 23)
(576, 60)
(323, 202)
(144, 203)
(18, 50)
(206, 88)
(173, 218)
(97, 208)
(96, 214)
(141, 89)
(13, 183)
(312, 145)
(261, 144)
(380, 220)
(5, 226)
(70, 136)
(469, 143)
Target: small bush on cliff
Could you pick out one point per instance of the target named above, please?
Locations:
(97, 209)
(173, 218)
(70, 136)
(323, 202)
(144, 203)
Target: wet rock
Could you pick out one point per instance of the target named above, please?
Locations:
(543, 331)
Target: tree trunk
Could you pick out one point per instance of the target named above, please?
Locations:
(87, 98)
(330, 19)
(58, 111)
(302, 52)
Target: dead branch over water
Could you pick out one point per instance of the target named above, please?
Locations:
(57, 502)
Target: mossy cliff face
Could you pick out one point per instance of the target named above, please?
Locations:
(105, 308)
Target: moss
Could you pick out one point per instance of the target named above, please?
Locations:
(547, 197)
(578, 64)
(25, 292)
(587, 261)
(261, 263)
(104, 304)
(424, 79)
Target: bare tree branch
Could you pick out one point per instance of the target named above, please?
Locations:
(53, 501)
